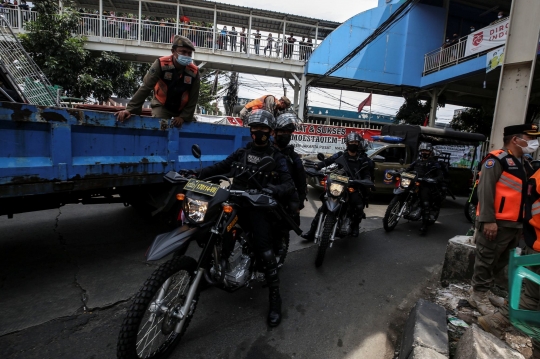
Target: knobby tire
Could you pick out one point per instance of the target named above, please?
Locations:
(390, 220)
(329, 223)
(128, 337)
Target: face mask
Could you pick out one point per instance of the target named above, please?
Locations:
(183, 60)
(424, 155)
(472, 30)
(260, 137)
(500, 16)
(352, 148)
(532, 146)
(283, 140)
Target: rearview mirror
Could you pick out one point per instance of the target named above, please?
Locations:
(378, 158)
(320, 156)
(196, 151)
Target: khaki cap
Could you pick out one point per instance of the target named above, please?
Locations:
(180, 40)
(286, 101)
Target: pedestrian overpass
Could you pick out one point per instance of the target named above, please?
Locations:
(142, 31)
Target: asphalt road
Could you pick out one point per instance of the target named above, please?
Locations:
(67, 277)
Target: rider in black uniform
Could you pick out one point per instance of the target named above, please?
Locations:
(427, 166)
(241, 165)
(355, 165)
(285, 126)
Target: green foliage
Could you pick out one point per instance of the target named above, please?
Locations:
(63, 59)
(208, 92)
(474, 120)
(413, 112)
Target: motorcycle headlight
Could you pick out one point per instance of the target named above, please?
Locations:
(336, 189)
(405, 182)
(196, 209)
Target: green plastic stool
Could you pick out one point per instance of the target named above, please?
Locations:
(528, 321)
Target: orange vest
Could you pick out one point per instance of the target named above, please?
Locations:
(258, 104)
(172, 91)
(531, 225)
(509, 188)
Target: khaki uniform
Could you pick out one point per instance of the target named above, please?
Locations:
(492, 256)
(150, 79)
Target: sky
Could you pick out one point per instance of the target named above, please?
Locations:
(252, 86)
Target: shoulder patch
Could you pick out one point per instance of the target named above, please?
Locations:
(489, 163)
(510, 162)
(187, 80)
(167, 75)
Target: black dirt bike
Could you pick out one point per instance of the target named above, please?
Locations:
(166, 303)
(406, 202)
(335, 219)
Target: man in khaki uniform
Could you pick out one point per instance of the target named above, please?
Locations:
(268, 103)
(499, 221)
(175, 81)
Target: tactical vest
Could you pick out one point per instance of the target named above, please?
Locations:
(422, 167)
(531, 226)
(510, 187)
(172, 89)
(247, 165)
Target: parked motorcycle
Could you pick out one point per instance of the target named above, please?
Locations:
(335, 220)
(470, 206)
(164, 306)
(406, 202)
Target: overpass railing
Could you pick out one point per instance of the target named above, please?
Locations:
(163, 32)
(454, 54)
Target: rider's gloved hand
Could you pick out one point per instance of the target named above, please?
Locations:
(189, 173)
(267, 191)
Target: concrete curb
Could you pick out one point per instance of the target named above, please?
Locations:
(459, 259)
(425, 335)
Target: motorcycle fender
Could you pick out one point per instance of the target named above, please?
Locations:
(167, 243)
(398, 190)
(332, 204)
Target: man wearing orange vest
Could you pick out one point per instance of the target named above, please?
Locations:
(499, 222)
(268, 103)
(498, 322)
(175, 81)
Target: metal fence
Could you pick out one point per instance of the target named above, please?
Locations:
(445, 56)
(202, 37)
(16, 16)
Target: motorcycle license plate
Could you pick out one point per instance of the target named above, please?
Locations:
(206, 188)
(338, 178)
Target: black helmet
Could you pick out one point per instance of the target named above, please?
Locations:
(287, 122)
(355, 136)
(261, 118)
(424, 146)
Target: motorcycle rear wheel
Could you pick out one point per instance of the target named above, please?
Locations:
(147, 331)
(391, 216)
(329, 222)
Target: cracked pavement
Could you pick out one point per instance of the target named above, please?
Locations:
(64, 290)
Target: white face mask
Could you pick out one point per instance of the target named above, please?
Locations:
(500, 16)
(532, 145)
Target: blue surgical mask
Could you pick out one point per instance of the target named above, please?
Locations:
(183, 60)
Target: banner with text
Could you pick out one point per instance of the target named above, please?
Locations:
(460, 156)
(487, 38)
(312, 139)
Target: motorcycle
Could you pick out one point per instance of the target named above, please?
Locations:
(470, 206)
(406, 202)
(335, 220)
(165, 304)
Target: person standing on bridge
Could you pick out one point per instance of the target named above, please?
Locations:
(268, 103)
(499, 215)
(175, 81)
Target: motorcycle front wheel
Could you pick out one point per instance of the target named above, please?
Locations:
(470, 211)
(148, 328)
(329, 222)
(391, 216)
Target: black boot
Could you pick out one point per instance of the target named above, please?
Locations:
(355, 223)
(309, 236)
(272, 279)
(274, 310)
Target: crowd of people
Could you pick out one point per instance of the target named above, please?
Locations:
(163, 30)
